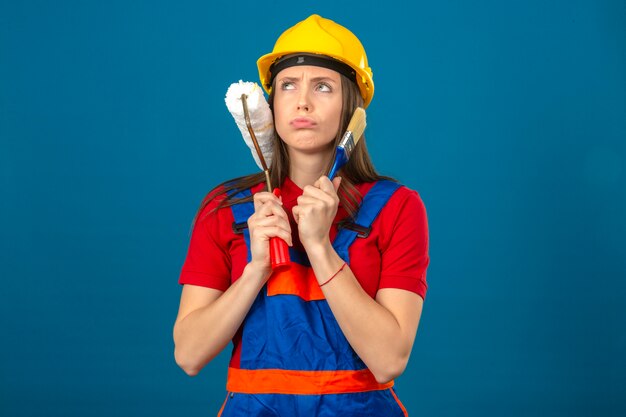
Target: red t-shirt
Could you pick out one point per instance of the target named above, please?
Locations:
(394, 255)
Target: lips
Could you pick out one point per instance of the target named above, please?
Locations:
(302, 123)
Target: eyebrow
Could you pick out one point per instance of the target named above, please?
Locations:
(316, 79)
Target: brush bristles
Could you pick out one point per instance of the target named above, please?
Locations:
(356, 127)
(357, 124)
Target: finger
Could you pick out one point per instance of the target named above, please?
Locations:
(272, 221)
(336, 183)
(264, 228)
(312, 191)
(255, 221)
(307, 212)
(296, 213)
(263, 197)
(305, 200)
(326, 185)
(276, 231)
(271, 208)
(327, 198)
(263, 200)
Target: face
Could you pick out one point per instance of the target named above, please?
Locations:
(307, 108)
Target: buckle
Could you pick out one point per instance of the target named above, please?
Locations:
(362, 231)
(238, 228)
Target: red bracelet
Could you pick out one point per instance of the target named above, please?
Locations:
(334, 275)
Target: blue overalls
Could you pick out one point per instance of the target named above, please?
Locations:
(293, 359)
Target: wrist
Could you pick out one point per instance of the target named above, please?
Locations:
(257, 271)
(343, 265)
(319, 250)
(324, 260)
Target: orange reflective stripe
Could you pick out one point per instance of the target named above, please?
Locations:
(281, 381)
(399, 403)
(298, 280)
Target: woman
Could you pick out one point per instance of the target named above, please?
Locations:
(327, 336)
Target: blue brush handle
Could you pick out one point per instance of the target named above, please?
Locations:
(340, 160)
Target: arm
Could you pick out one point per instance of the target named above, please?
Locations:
(380, 331)
(208, 318)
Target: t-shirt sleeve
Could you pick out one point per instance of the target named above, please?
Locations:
(208, 261)
(404, 248)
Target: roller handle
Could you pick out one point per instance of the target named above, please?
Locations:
(279, 250)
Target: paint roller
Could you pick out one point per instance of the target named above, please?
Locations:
(246, 103)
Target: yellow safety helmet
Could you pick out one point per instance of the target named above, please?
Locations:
(318, 36)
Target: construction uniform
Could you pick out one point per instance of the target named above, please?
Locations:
(290, 357)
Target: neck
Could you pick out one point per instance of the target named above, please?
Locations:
(305, 169)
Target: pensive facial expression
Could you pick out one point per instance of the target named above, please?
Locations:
(307, 108)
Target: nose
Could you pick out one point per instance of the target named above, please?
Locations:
(303, 101)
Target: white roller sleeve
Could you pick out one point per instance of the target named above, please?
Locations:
(260, 117)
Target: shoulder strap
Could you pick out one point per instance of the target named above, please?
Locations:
(373, 202)
(241, 213)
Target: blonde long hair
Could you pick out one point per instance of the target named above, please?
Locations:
(358, 169)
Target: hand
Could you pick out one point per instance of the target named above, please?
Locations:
(269, 220)
(316, 210)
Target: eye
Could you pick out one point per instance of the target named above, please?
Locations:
(324, 88)
(287, 85)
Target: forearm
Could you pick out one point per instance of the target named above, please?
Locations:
(205, 332)
(370, 328)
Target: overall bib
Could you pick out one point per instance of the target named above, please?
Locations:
(292, 358)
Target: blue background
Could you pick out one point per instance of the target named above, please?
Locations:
(509, 118)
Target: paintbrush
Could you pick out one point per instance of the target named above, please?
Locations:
(355, 130)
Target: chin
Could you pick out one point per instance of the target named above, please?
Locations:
(307, 142)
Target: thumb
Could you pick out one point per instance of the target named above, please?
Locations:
(336, 183)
